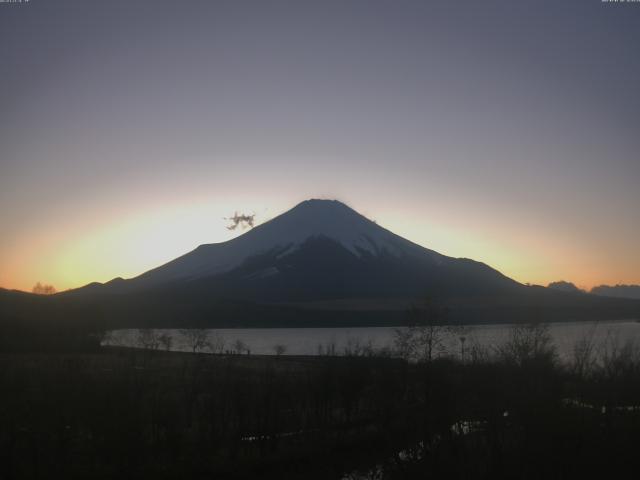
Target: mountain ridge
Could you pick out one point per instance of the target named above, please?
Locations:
(319, 264)
(308, 223)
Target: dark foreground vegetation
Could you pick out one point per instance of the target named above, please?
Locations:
(510, 413)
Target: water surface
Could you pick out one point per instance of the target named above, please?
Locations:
(311, 341)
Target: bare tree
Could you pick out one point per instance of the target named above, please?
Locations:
(584, 359)
(528, 343)
(619, 360)
(404, 342)
(462, 334)
(353, 348)
(166, 340)
(478, 353)
(423, 337)
(196, 338)
(369, 349)
(148, 339)
(239, 346)
(216, 343)
(43, 289)
(279, 349)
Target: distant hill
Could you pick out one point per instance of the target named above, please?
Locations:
(617, 291)
(565, 287)
(30, 322)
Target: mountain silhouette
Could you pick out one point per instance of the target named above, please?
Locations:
(319, 264)
(318, 250)
(619, 291)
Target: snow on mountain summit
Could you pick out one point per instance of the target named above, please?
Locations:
(331, 219)
(309, 219)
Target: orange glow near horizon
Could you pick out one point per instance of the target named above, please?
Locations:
(124, 246)
(128, 245)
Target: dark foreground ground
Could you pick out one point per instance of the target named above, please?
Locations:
(140, 414)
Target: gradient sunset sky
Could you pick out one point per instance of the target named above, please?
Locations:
(503, 131)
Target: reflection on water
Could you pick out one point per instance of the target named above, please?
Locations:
(312, 341)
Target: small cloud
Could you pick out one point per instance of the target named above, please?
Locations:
(241, 219)
(40, 289)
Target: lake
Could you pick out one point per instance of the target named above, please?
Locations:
(311, 341)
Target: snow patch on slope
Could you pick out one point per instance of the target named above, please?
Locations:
(283, 235)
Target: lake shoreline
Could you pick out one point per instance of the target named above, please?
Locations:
(323, 341)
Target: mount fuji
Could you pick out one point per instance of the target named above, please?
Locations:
(319, 250)
(323, 264)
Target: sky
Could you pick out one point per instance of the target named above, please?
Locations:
(503, 131)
